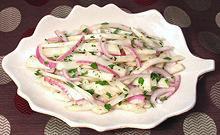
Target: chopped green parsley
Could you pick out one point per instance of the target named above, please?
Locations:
(94, 65)
(108, 107)
(141, 80)
(102, 82)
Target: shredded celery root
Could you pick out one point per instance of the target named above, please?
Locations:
(107, 66)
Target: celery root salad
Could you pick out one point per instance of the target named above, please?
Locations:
(107, 66)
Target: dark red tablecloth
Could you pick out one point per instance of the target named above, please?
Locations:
(200, 22)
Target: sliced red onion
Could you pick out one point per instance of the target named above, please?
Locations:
(134, 53)
(176, 84)
(104, 49)
(100, 66)
(66, 75)
(82, 102)
(162, 72)
(159, 92)
(56, 83)
(131, 77)
(54, 40)
(99, 102)
(61, 35)
(177, 81)
(136, 99)
(165, 48)
(43, 59)
(71, 50)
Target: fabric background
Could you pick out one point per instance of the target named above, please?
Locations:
(200, 22)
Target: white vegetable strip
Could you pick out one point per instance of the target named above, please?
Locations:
(145, 51)
(117, 100)
(102, 67)
(130, 58)
(63, 88)
(141, 36)
(109, 25)
(96, 74)
(120, 42)
(165, 48)
(51, 50)
(154, 61)
(131, 77)
(67, 65)
(98, 36)
(73, 48)
(173, 68)
(33, 62)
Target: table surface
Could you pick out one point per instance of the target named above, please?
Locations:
(200, 22)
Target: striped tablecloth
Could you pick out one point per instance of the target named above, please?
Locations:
(200, 22)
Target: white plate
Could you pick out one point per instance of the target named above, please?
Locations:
(151, 22)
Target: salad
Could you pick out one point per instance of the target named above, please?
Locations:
(107, 66)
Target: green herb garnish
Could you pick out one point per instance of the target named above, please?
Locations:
(38, 73)
(152, 105)
(167, 58)
(125, 89)
(68, 58)
(92, 37)
(120, 103)
(79, 86)
(70, 84)
(108, 107)
(153, 88)
(91, 91)
(141, 80)
(109, 95)
(117, 30)
(163, 98)
(46, 62)
(111, 66)
(126, 95)
(94, 65)
(102, 82)
(167, 81)
(93, 45)
(86, 30)
(155, 76)
(161, 43)
(85, 73)
(93, 53)
(132, 42)
(145, 93)
(72, 72)
(105, 23)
